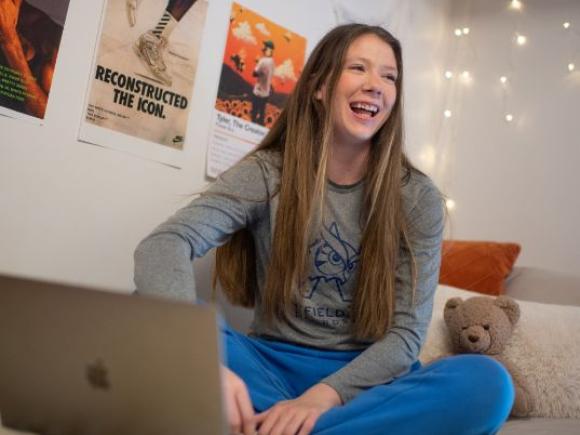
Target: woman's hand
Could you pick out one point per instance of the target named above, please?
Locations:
(298, 416)
(239, 407)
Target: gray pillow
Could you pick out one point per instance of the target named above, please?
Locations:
(542, 285)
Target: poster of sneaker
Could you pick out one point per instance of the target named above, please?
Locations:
(30, 34)
(139, 95)
(261, 64)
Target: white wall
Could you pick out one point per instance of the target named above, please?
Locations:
(73, 212)
(515, 181)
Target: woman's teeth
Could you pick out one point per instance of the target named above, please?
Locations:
(361, 108)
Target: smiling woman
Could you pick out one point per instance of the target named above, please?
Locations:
(364, 97)
(334, 238)
(365, 92)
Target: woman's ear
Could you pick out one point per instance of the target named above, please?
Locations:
(320, 92)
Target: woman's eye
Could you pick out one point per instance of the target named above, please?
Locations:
(390, 77)
(357, 67)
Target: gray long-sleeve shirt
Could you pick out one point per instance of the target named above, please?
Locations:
(245, 196)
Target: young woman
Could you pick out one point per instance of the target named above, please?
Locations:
(334, 238)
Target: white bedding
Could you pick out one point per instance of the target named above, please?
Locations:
(545, 346)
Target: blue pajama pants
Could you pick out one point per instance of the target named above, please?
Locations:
(466, 394)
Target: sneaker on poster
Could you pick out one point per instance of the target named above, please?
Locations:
(132, 12)
(150, 50)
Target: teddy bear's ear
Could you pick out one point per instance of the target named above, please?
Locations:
(453, 303)
(509, 307)
(450, 307)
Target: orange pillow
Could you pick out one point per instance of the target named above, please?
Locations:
(477, 266)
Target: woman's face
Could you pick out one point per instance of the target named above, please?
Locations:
(365, 92)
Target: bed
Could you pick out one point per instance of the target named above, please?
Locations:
(544, 286)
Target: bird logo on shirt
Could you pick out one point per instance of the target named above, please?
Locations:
(335, 261)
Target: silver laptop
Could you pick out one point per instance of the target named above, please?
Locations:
(79, 361)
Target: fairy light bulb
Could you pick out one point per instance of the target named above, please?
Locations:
(516, 4)
(447, 113)
(503, 79)
(458, 32)
(428, 157)
(448, 75)
(521, 39)
(465, 30)
(571, 67)
(509, 117)
(566, 25)
(465, 75)
(450, 204)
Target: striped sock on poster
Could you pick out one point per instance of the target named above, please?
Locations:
(165, 26)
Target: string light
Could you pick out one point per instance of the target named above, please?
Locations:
(463, 31)
(516, 4)
(466, 76)
(428, 157)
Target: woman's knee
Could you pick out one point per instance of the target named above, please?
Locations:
(490, 392)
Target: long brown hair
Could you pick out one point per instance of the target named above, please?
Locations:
(302, 135)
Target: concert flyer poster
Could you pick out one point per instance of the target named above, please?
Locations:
(261, 64)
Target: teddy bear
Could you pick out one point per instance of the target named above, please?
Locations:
(484, 325)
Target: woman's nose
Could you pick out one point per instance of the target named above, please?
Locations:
(372, 83)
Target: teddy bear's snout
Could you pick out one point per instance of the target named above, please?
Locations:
(475, 339)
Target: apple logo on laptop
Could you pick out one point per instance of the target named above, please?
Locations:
(98, 375)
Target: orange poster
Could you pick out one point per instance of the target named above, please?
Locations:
(30, 34)
(261, 64)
